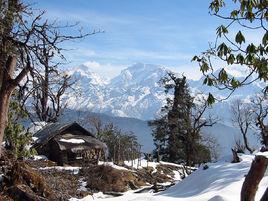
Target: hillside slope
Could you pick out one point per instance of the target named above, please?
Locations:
(222, 181)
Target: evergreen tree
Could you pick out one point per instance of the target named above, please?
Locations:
(17, 139)
(159, 131)
(178, 116)
(177, 134)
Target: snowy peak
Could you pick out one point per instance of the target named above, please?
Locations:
(83, 72)
(140, 74)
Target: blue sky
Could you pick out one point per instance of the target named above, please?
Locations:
(166, 32)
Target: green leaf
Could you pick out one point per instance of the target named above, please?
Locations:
(239, 38)
(215, 5)
(231, 59)
(266, 15)
(208, 81)
(234, 13)
(235, 83)
(251, 48)
(221, 30)
(204, 67)
(210, 99)
(223, 77)
(222, 50)
(240, 58)
(250, 16)
(250, 58)
(205, 80)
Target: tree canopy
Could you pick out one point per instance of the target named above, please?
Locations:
(234, 47)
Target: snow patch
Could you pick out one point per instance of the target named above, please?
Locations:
(39, 157)
(177, 175)
(95, 196)
(75, 170)
(112, 165)
(82, 185)
(72, 140)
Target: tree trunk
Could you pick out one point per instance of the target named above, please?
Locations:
(264, 133)
(253, 178)
(236, 158)
(246, 142)
(4, 105)
(158, 153)
(6, 89)
(44, 95)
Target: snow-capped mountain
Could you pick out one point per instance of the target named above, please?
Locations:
(135, 92)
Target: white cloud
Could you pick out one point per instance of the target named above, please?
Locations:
(93, 65)
(133, 55)
(190, 71)
(107, 70)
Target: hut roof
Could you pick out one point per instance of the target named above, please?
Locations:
(53, 129)
(86, 141)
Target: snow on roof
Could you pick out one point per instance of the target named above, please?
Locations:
(53, 129)
(73, 140)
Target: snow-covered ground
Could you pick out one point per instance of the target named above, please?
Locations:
(222, 181)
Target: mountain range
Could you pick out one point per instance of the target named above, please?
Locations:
(136, 92)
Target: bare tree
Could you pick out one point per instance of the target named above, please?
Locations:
(98, 126)
(121, 145)
(21, 31)
(260, 109)
(198, 122)
(47, 95)
(243, 119)
(49, 85)
(213, 145)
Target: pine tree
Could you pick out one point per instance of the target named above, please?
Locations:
(177, 134)
(159, 131)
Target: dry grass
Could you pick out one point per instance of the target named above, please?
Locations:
(21, 182)
(107, 179)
